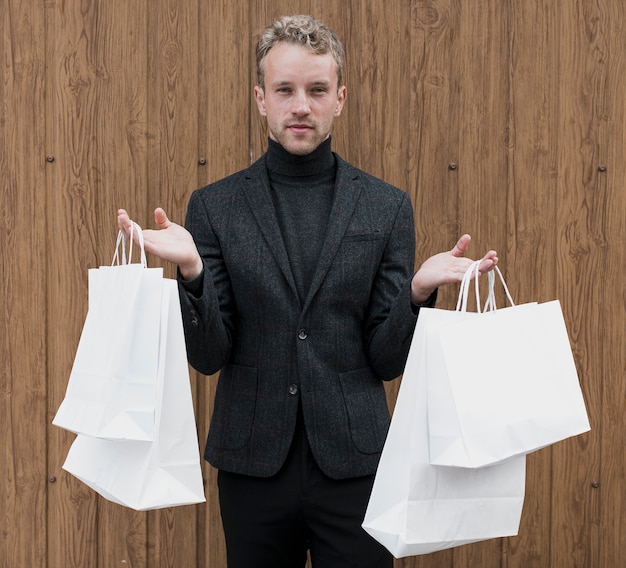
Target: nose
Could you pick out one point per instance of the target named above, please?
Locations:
(300, 103)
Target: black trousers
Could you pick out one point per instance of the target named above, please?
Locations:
(272, 522)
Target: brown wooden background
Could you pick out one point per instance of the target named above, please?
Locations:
(502, 118)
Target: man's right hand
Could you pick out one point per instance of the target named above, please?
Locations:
(170, 242)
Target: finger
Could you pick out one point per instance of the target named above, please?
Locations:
(161, 218)
(488, 262)
(461, 246)
(123, 221)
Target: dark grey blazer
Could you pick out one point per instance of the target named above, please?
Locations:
(332, 350)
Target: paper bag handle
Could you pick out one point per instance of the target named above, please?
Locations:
(121, 240)
(472, 273)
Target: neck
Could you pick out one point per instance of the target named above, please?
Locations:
(280, 161)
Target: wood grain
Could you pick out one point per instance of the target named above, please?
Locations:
(531, 209)
(608, 323)
(579, 256)
(504, 120)
(72, 232)
(24, 294)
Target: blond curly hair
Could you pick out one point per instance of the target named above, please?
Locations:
(302, 30)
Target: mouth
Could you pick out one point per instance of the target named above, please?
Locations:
(299, 128)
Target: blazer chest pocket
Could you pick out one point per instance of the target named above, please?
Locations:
(234, 409)
(363, 236)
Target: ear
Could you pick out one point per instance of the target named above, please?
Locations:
(342, 95)
(259, 97)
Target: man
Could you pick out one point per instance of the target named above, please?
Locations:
(296, 280)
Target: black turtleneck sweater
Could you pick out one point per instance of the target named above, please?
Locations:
(302, 189)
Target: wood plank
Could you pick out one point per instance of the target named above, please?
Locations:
(172, 34)
(70, 190)
(376, 110)
(226, 46)
(610, 324)
(173, 107)
(483, 120)
(23, 412)
(434, 129)
(580, 255)
(529, 265)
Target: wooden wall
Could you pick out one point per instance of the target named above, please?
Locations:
(502, 118)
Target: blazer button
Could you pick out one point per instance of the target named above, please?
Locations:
(302, 334)
(293, 389)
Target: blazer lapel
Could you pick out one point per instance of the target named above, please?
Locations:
(347, 192)
(257, 191)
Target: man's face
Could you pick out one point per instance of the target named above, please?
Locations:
(301, 98)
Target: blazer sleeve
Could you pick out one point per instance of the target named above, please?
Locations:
(391, 315)
(207, 303)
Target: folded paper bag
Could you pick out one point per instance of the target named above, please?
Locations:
(166, 471)
(111, 392)
(501, 383)
(418, 508)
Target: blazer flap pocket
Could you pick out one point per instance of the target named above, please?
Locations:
(235, 405)
(366, 406)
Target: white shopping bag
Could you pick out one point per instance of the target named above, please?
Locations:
(111, 391)
(418, 508)
(501, 384)
(165, 472)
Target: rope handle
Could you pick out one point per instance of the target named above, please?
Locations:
(472, 273)
(121, 242)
